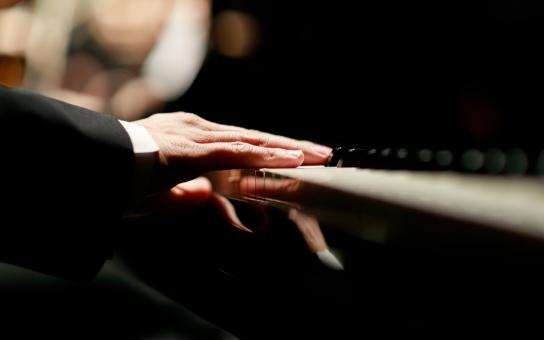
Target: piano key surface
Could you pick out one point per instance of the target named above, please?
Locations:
(508, 203)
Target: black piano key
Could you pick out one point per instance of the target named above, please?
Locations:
(492, 161)
(539, 165)
(517, 162)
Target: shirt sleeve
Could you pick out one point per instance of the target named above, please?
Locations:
(145, 151)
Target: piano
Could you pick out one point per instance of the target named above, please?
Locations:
(458, 252)
(352, 252)
(380, 205)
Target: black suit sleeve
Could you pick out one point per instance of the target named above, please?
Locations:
(64, 176)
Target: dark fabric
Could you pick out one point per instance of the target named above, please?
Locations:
(113, 306)
(64, 177)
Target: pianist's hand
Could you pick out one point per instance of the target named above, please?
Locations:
(191, 146)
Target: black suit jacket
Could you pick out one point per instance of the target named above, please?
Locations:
(64, 177)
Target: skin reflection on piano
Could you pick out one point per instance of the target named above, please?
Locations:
(380, 205)
(309, 228)
(280, 190)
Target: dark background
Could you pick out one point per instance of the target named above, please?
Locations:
(373, 72)
(382, 72)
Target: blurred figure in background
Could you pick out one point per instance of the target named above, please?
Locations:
(14, 31)
(124, 57)
(136, 55)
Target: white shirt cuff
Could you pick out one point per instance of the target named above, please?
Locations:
(145, 149)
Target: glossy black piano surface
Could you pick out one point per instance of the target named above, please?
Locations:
(347, 253)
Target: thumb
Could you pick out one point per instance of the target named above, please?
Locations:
(190, 194)
(183, 197)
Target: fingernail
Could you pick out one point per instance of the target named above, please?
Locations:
(322, 150)
(294, 153)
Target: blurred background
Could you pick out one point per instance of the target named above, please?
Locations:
(123, 57)
(386, 72)
(392, 73)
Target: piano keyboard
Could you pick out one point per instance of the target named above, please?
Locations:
(493, 161)
(371, 202)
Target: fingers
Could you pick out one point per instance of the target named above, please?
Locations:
(191, 193)
(181, 198)
(218, 156)
(314, 154)
(190, 146)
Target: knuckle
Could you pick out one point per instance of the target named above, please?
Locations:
(266, 140)
(200, 136)
(241, 147)
(190, 118)
(247, 135)
(259, 138)
(193, 151)
(270, 155)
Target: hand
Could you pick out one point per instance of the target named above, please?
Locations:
(191, 146)
(188, 196)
